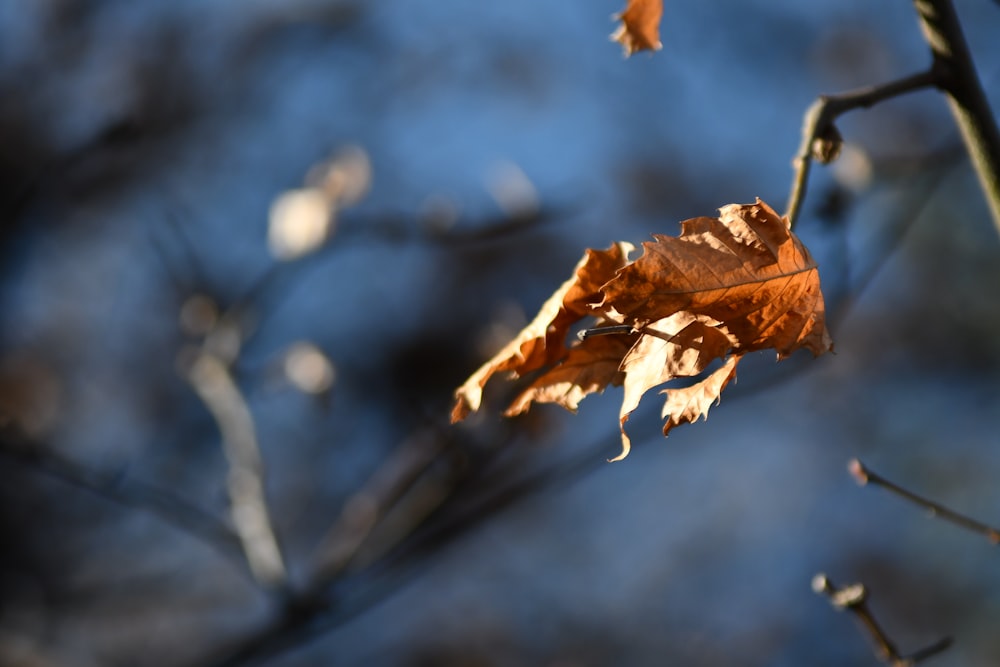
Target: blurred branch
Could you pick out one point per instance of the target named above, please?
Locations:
(468, 493)
(211, 380)
(402, 490)
(864, 476)
(363, 561)
(207, 370)
(820, 137)
(955, 73)
(126, 492)
(268, 290)
(181, 267)
(933, 168)
(401, 228)
(854, 598)
(209, 374)
(401, 480)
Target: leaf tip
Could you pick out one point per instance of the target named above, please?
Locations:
(460, 411)
(462, 408)
(626, 448)
(626, 442)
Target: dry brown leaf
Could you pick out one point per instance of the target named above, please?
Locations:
(726, 286)
(542, 342)
(677, 346)
(589, 367)
(744, 269)
(640, 27)
(691, 403)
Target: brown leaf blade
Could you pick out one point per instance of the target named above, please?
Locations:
(589, 367)
(724, 287)
(541, 342)
(677, 346)
(690, 404)
(640, 26)
(744, 269)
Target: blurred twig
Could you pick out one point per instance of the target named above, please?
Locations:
(268, 289)
(207, 370)
(854, 598)
(126, 492)
(395, 484)
(474, 491)
(935, 167)
(864, 476)
(211, 380)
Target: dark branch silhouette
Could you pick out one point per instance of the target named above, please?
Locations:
(129, 493)
(865, 475)
(854, 598)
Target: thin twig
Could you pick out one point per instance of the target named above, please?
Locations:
(819, 123)
(955, 73)
(864, 475)
(364, 513)
(854, 598)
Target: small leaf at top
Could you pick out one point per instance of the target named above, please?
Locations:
(640, 27)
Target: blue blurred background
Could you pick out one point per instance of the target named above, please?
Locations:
(350, 205)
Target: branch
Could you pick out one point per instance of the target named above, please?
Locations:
(820, 138)
(212, 381)
(952, 71)
(864, 476)
(854, 598)
(956, 75)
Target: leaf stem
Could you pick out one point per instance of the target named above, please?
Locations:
(864, 476)
(819, 122)
(606, 331)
